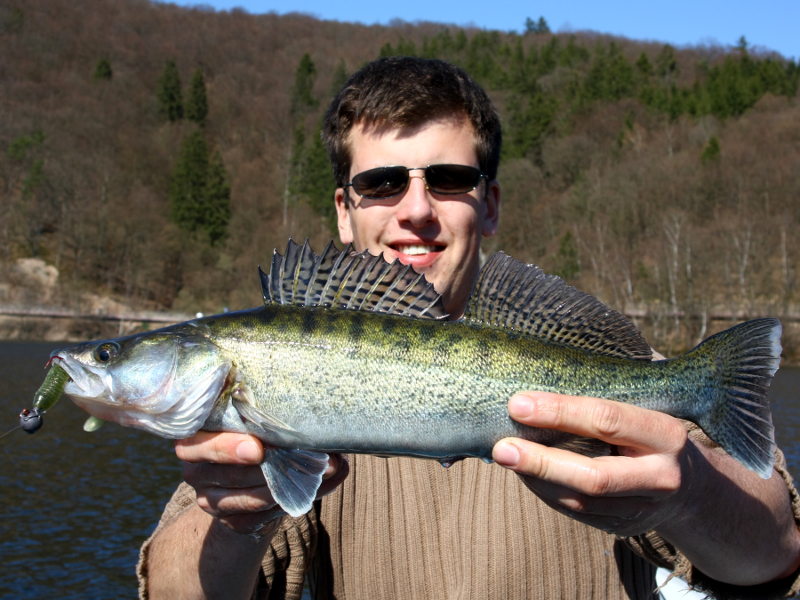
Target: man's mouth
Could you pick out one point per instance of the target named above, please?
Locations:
(417, 255)
(416, 249)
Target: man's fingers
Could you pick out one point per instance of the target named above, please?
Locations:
(223, 501)
(610, 476)
(616, 423)
(223, 448)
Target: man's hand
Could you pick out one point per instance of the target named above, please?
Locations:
(630, 492)
(224, 470)
(732, 525)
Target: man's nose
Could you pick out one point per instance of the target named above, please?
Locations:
(415, 206)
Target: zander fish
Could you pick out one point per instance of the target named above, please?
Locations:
(353, 354)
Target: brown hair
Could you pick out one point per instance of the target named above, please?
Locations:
(406, 92)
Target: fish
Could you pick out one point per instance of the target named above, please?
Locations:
(353, 354)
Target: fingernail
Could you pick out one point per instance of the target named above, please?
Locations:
(506, 454)
(520, 406)
(248, 451)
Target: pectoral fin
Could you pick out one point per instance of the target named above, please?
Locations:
(293, 477)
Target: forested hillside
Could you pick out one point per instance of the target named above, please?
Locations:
(157, 154)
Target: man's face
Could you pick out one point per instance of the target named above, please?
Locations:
(439, 235)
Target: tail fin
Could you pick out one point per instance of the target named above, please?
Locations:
(743, 360)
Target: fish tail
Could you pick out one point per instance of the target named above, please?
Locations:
(740, 363)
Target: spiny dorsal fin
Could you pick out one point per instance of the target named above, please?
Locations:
(348, 279)
(518, 296)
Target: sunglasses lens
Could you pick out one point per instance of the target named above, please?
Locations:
(452, 179)
(385, 182)
(382, 182)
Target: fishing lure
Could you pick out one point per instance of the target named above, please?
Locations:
(51, 390)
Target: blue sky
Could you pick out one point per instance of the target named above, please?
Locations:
(768, 24)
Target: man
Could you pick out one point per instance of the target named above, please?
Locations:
(551, 524)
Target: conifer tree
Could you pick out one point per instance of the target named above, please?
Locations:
(170, 99)
(339, 77)
(643, 65)
(539, 26)
(568, 266)
(197, 102)
(310, 177)
(317, 184)
(200, 191)
(217, 210)
(188, 183)
(102, 70)
(712, 150)
(530, 121)
(302, 98)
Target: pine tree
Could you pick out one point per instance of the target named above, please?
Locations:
(217, 211)
(643, 65)
(536, 27)
(302, 98)
(310, 175)
(197, 102)
(200, 191)
(102, 70)
(169, 93)
(530, 121)
(712, 150)
(318, 183)
(188, 184)
(339, 77)
(568, 266)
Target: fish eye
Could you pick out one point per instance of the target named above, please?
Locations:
(106, 352)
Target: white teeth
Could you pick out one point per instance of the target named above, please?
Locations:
(416, 249)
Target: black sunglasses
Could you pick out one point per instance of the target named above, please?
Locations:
(385, 182)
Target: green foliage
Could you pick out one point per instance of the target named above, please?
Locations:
(644, 66)
(310, 178)
(666, 62)
(404, 48)
(199, 190)
(530, 120)
(302, 94)
(536, 27)
(170, 98)
(339, 78)
(103, 71)
(26, 150)
(567, 265)
(310, 175)
(711, 151)
(217, 213)
(736, 84)
(197, 102)
(20, 148)
(610, 77)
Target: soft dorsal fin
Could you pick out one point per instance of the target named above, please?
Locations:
(348, 279)
(514, 295)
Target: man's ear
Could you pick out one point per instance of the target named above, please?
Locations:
(491, 216)
(343, 216)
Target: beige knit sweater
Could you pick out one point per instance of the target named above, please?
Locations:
(408, 528)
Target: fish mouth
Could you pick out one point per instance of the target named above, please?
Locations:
(85, 381)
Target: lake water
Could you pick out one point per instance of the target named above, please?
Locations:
(75, 507)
